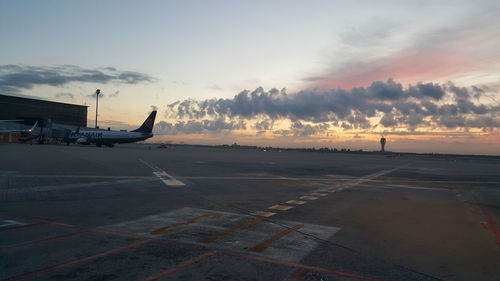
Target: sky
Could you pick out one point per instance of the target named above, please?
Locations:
(337, 74)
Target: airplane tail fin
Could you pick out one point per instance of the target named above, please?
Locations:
(147, 126)
(32, 128)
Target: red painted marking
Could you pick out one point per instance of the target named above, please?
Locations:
(41, 240)
(145, 240)
(21, 226)
(489, 223)
(179, 267)
(75, 262)
(298, 275)
(301, 266)
(102, 231)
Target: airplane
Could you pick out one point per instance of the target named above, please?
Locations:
(27, 134)
(109, 137)
(21, 132)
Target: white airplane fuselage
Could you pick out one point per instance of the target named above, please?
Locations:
(107, 137)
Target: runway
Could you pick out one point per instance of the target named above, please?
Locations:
(136, 212)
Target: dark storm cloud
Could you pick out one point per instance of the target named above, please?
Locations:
(444, 105)
(15, 78)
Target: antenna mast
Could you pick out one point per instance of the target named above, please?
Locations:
(97, 92)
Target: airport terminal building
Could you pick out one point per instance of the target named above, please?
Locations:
(51, 115)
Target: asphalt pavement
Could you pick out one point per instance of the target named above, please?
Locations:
(139, 212)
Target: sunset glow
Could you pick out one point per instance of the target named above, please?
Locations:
(336, 74)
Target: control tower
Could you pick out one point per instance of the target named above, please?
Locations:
(382, 144)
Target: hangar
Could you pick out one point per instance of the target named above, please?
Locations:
(54, 117)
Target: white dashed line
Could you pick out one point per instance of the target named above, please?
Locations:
(263, 214)
(280, 207)
(296, 202)
(319, 194)
(308, 197)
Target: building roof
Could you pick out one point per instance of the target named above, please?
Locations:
(4, 97)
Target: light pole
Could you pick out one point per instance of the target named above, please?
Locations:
(97, 92)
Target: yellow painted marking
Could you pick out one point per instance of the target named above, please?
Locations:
(319, 194)
(216, 236)
(264, 214)
(280, 207)
(266, 243)
(309, 197)
(173, 227)
(296, 202)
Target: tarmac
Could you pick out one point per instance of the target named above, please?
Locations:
(138, 212)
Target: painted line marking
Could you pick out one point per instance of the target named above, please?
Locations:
(352, 183)
(21, 226)
(212, 238)
(75, 185)
(296, 202)
(41, 240)
(82, 176)
(168, 179)
(175, 226)
(75, 262)
(192, 246)
(299, 266)
(319, 194)
(414, 187)
(263, 214)
(7, 223)
(163, 176)
(179, 267)
(308, 197)
(262, 246)
(489, 222)
(280, 207)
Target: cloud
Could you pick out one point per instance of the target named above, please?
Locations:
(68, 96)
(264, 125)
(15, 78)
(198, 127)
(115, 94)
(94, 94)
(435, 54)
(299, 129)
(215, 88)
(154, 108)
(426, 104)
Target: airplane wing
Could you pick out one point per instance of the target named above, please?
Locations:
(21, 131)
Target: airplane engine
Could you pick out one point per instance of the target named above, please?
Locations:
(82, 141)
